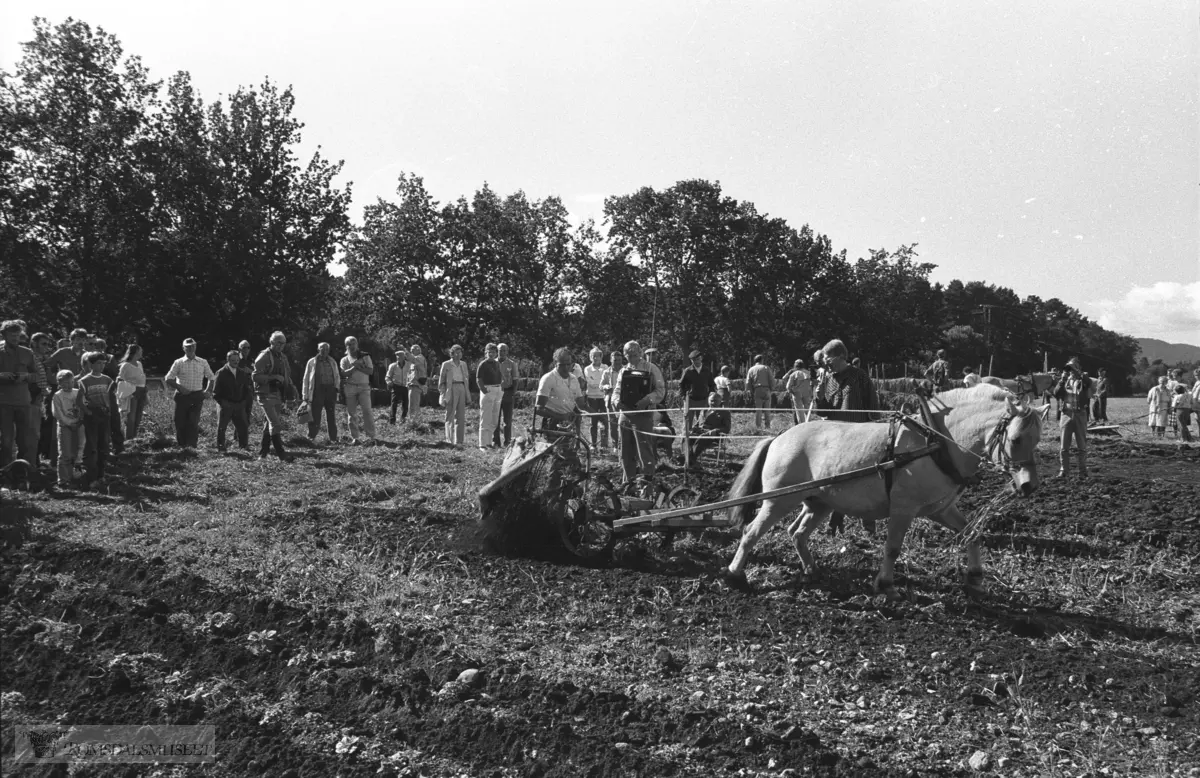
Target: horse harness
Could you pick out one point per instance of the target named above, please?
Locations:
(937, 446)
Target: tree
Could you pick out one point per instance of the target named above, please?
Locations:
(76, 216)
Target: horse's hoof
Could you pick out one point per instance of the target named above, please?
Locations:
(974, 585)
(888, 590)
(735, 581)
(810, 578)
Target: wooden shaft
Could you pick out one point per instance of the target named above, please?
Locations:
(899, 461)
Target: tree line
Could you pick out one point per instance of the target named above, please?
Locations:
(135, 207)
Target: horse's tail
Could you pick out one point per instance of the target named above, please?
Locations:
(748, 482)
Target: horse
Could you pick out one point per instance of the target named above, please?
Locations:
(982, 423)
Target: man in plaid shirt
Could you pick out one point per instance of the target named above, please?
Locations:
(193, 381)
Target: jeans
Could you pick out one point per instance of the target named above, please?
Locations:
(456, 413)
(596, 405)
(324, 398)
(68, 453)
(506, 412)
(637, 450)
(762, 400)
(489, 414)
(399, 399)
(133, 420)
(359, 396)
(188, 408)
(95, 450)
(236, 413)
(1073, 425)
(14, 429)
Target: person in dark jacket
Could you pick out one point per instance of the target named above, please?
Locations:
(845, 393)
(707, 434)
(696, 384)
(232, 386)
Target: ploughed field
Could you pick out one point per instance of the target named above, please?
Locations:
(326, 617)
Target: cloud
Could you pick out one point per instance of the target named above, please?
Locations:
(1167, 310)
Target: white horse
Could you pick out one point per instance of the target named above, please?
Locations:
(986, 422)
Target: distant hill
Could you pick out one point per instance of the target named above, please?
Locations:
(1169, 353)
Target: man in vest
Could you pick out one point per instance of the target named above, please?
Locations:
(1072, 391)
(273, 383)
(939, 372)
(637, 391)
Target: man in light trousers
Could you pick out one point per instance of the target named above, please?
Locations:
(487, 376)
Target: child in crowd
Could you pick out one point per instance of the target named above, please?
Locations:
(65, 407)
(1181, 403)
(95, 406)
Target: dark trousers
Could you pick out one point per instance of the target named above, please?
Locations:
(188, 408)
(506, 412)
(1102, 406)
(115, 428)
(95, 449)
(48, 443)
(400, 398)
(236, 413)
(324, 398)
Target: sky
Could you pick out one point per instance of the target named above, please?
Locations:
(1049, 147)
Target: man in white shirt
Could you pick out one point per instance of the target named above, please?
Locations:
(559, 396)
(760, 382)
(193, 380)
(320, 386)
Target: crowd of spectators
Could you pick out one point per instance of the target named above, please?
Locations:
(72, 405)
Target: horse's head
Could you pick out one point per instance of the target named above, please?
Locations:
(1017, 444)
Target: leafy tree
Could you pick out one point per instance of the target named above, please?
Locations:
(76, 206)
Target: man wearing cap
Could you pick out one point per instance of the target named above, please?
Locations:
(508, 388)
(696, 384)
(760, 382)
(319, 388)
(487, 378)
(418, 375)
(799, 387)
(193, 381)
(397, 384)
(1073, 391)
(637, 390)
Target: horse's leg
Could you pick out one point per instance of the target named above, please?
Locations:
(768, 516)
(897, 528)
(952, 519)
(806, 523)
